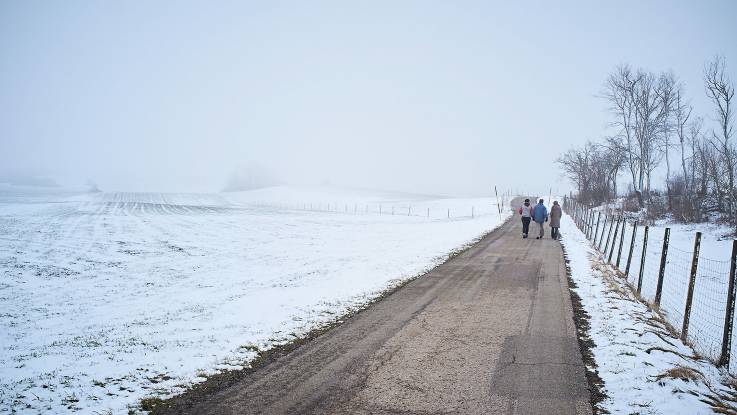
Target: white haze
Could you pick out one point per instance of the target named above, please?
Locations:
(431, 97)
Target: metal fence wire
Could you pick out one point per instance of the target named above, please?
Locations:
(709, 307)
(701, 323)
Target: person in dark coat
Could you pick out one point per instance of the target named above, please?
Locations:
(555, 214)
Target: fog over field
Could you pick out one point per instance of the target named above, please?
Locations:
(424, 97)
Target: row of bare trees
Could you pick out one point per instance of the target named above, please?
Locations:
(655, 123)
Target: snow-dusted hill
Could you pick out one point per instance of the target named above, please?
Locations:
(106, 298)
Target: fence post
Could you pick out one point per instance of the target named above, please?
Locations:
(642, 262)
(663, 261)
(591, 229)
(632, 249)
(614, 241)
(448, 213)
(621, 242)
(596, 232)
(729, 315)
(603, 229)
(608, 237)
(691, 283)
(589, 219)
(428, 212)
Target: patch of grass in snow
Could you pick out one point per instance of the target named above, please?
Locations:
(687, 374)
(250, 348)
(153, 404)
(161, 377)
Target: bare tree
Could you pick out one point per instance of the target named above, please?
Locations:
(615, 153)
(618, 91)
(647, 126)
(720, 90)
(682, 112)
(694, 137)
(667, 91)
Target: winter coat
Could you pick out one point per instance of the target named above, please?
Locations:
(555, 213)
(525, 211)
(540, 213)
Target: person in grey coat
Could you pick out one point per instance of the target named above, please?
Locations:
(555, 213)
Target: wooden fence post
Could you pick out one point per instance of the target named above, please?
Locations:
(661, 272)
(691, 284)
(632, 249)
(642, 262)
(596, 232)
(621, 242)
(591, 229)
(729, 315)
(614, 241)
(603, 229)
(608, 236)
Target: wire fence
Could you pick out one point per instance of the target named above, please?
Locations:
(430, 211)
(695, 295)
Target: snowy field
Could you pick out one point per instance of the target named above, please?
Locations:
(107, 298)
(645, 369)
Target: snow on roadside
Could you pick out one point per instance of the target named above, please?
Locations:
(108, 298)
(645, 369)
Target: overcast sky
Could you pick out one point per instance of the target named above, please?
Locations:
(442, 97)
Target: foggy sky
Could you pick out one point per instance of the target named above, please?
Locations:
(434, 97)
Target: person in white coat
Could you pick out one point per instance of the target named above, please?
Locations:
(526, 212)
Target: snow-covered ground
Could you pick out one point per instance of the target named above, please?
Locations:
(107, 298)
(645, 369)
(712, 277)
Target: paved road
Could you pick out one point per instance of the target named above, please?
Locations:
(489, 332)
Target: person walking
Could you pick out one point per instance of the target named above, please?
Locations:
(526, 212)
(540, 215)
(555, 213)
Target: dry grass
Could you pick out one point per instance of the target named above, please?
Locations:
(687, 374)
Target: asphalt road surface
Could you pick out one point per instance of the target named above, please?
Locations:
(489, 332)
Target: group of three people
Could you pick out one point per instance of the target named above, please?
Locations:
(539, 213)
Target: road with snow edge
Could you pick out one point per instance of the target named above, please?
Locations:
(490, 331)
